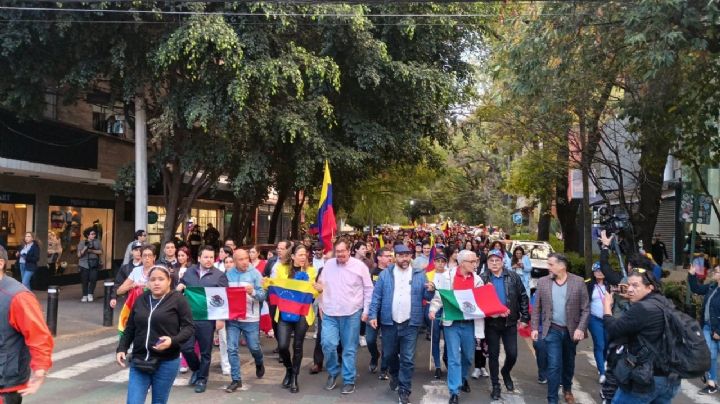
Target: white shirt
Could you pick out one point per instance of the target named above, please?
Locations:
(138, 276)
(401, 295)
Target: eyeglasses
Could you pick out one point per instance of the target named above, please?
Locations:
(148, 255)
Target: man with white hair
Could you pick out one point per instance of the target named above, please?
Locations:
(460, 335)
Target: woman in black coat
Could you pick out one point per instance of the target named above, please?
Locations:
(28, 258)
(160, 322)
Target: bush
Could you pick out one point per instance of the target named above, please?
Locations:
(577, 263)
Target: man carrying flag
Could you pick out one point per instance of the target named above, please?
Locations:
(467, 322)
(326, 215)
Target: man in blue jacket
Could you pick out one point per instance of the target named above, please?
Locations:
(397, 300)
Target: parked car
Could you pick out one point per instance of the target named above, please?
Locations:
(538, 251)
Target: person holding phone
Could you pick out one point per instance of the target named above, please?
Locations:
(160, 322)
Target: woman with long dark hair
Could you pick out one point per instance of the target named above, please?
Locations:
(291, 325)
(28, 258)
(521, 264)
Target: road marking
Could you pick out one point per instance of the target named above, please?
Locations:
(66, 353)
(83, 367)
(690, 390)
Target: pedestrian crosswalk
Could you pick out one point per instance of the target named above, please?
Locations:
(94, 362)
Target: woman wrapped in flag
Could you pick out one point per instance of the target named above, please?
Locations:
(293, 293)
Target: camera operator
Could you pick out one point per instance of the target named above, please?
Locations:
(89, 251)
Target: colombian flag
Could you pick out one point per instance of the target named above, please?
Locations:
(292, 296)
(127, 308)
(326, 216)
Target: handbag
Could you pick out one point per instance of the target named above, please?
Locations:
(149, 365)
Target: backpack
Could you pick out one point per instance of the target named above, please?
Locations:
(682, 350)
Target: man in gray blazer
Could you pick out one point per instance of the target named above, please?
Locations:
(563, 305)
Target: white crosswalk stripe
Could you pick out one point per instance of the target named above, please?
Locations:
(66, 353)
(83, 367)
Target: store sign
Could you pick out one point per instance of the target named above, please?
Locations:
(12, 197)
(81, 203)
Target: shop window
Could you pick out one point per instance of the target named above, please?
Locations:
(15, 220)
(65, 232)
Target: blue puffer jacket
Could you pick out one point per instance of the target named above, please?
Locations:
(381, 303)
(707, 290)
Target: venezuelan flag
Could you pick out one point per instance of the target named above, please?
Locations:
(326, 216)
(127, 308)
(431, 258)
(292, 296)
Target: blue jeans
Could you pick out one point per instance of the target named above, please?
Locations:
(599, 337)
(399, 341)
(561, 362)
(663, 393)
(26, 276)
(371, 336)
(541, 358)
(345, 330)
(437, 329)
(204, 330)
(714, 347)
(251, 331)
(460, 342)
(161, 382)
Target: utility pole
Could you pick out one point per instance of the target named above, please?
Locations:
(141, 178)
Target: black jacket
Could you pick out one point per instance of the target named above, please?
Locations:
(517, 300)
(612, 278)
(707, 290)
(268, 266)
(214, 278)
(172, 317)
(122, 274)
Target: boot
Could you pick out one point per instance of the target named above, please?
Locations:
(287, 379)
(293, 383)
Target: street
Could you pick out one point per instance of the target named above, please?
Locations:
(84, 371)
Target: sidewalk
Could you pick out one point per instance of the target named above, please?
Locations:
(75, 318)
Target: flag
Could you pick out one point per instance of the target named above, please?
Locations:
(326, 216)
(217, 303)
(445, 227)
(431, 258)
(132, 295)
(469, 304)
(265, 319)
(381, 241)
(291, 296)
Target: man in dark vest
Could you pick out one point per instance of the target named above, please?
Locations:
(25, 341)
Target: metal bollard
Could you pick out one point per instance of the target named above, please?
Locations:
(52, 309)
(107, 310)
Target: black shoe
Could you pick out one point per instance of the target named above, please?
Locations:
(404, 397)
(394, 384)
(194, 378)
(280, 360)
(466, 386)
(454, 399)
(236, 384)
(427, 336)
(331, 383)
(707, 390)
(276, 350)
(200, 387)
(348, 389)
(383, 375)
(293, 383)
(542, 381)
(509, 383)
(495, 395)
(438, 373)
(286, 380)
(260, 371)
(373, 366)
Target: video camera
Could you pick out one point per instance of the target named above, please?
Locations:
(612, 219)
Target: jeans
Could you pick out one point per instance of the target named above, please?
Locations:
(541, 358)
(286, 330)
(663, 393)
(345, 330)
(437, 329)
(204, 330)
(508, 335)
(88, 280)
(399, 341)
(599, 337)
(460, 342)
(250, 330)
(714, 347)
(318, 357)
(371, 337)
(561, 362)
(26, 276)
(161, 382)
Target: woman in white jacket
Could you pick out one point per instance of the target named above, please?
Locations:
(460, 335)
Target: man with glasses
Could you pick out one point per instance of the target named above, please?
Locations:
(563, 304)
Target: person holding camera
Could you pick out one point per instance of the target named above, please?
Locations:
(160, 322)
(89, 252)
(710, 321)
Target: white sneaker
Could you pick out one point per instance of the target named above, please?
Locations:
(315, 335)
(183, 369)
(484, 373)
(90, 298)
(602, 379)
(363, 341)
(475, 373)
(84, 299)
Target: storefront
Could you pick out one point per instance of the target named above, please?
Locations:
(199, 217)
(17, 213)
(68, 219)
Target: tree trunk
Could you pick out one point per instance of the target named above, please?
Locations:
(172, 185)
(297, 211)
(235, 222)
(543, 233)
(652, 167)
(566, 208)
(586, 213)
(277, 214)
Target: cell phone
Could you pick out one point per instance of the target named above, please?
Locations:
(621, 288)
(158, 341)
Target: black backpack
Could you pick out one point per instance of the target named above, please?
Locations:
(682, 351)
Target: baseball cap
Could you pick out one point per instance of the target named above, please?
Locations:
(441, 257)
(496, 253)
(137, 244)
(596, 267)
(402, 249)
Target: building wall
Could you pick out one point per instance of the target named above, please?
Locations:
(114, 153)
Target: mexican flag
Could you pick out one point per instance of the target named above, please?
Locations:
(217, 303)
(469, 304)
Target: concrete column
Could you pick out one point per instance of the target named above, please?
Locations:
(141, 181)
